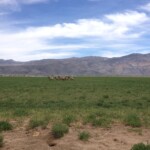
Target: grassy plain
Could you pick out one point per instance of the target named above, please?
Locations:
(99, 101)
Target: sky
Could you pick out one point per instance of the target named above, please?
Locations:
(56, 29)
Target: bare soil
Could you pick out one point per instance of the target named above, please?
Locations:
(118, 137)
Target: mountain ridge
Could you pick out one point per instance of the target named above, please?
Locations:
(130, 65)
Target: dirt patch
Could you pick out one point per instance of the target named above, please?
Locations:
(118, 137)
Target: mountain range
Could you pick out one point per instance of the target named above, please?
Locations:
(130, 65)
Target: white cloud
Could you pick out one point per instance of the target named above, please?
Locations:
(129, 18)
(10, 4)
(111, 54)
(3, 13)
(115, 27)
(15, 5)
(16, 2)
(5, 2)
(29, 48)
(39, 56)
(119, 27)
(146, 7)
(34, 1)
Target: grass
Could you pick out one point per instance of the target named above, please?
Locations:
(99, 119)
(84, 136)
(1, 140)
(37, 122)
(141, 146)
(68, 119)
(5, 126)
(20, 113)
(109, 99)
(59, 129)
(133, 120)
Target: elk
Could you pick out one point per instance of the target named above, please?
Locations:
(50, 77)
(60, 77)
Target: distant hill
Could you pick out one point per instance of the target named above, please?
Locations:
(130, 65)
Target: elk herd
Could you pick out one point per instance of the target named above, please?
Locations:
(60, 77)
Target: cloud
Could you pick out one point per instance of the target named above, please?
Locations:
(82, 28)
(146, 7)
(29, 47)
(34, 1)
(15, 5)
(115, 26)
(43, 55)
(3, 13)
(16, 2)
(129, 18)
(41, 42)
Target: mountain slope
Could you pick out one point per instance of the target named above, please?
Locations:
(131, 65)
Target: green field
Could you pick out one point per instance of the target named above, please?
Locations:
(100, 101)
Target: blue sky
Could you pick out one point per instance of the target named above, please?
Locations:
(44, 29)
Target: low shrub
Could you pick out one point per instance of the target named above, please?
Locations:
(84, 136)
(59, 129)
(1, 140)
(141, 146)
(20, 113)
(105, 103)
(38, 122)
(133, 120)
(68, 119)
(105, 96)
(99, 120)
(4, 126)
